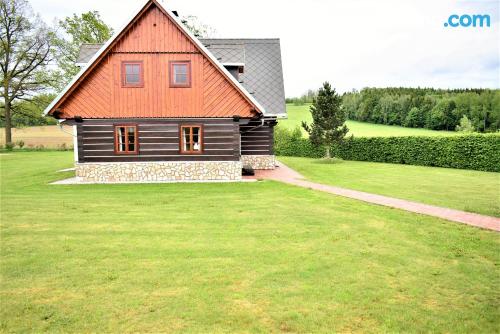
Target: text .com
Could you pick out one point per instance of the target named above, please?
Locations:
(465, 20)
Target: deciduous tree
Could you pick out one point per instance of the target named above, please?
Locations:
(77, 30)
(25, 53)
(198, 28)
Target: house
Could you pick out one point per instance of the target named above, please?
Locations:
(155, 103)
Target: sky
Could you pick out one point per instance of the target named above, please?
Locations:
(350, 43)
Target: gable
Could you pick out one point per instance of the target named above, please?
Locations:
(155, 39)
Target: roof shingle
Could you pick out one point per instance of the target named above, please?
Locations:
(263, 73)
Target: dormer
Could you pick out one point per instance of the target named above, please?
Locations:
(235, 69)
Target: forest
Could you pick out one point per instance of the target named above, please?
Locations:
(437, 109)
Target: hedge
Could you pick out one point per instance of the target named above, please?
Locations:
(476, 151)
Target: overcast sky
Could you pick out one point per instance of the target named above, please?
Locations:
(351, 43)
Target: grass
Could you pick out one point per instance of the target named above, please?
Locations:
(235, 257)
(297, 114)
(49, 136)
(466, 190)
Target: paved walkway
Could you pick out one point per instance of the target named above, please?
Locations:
(288, 175)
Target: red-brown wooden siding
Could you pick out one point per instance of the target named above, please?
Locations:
(155, 40)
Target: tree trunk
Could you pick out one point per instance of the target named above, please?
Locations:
(327, 151)
(8, 124)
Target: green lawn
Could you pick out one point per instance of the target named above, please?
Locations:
(237, 257)
(461, 189)
(297, 114)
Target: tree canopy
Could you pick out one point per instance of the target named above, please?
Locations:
(197, 28)
(25, 53)
(76, 30)
(436, 109)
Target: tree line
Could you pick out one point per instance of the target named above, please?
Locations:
(437, 109)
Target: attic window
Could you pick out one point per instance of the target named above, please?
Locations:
(180, 74)
(132, 74)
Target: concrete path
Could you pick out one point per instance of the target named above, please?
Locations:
(290, 176)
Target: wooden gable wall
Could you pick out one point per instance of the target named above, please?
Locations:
(155, 40)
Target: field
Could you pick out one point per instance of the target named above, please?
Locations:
(297, 114)
(49, 136)
(233, 257)
(466, 190)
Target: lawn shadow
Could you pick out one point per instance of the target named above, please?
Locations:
(328, 161)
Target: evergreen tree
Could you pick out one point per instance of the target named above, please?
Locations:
(328, 126)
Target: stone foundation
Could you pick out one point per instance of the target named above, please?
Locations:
(259, 161)
(159, 171)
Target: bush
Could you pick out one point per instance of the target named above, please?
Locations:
(20, 143)
(9, 146)
(474, 151)
(291, 143)
(465, 125)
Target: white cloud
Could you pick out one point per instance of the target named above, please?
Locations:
(351, 43)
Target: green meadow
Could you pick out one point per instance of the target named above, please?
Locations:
(255, 257)
(297, 114)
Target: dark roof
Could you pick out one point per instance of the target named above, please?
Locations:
(263, 73)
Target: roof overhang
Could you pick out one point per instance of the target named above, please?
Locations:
(234, 64)
(277, 116)
(99, 54)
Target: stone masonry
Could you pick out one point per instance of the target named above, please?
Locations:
(159, 171)
(259, 161)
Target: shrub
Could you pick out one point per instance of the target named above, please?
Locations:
(9, 146)
(291, 143)
(465, 125)
(20, 143)
(474, 151)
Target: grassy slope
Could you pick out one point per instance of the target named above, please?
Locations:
(297, 114)
(247, 257)
(466, 190)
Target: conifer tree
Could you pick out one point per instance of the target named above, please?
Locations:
(328, 126)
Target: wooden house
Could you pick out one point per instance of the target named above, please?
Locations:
(155, 103)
